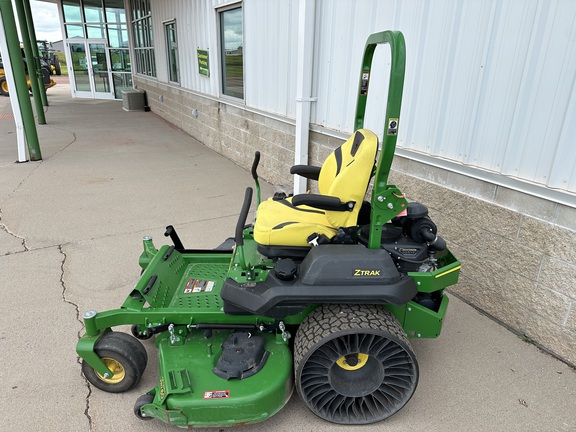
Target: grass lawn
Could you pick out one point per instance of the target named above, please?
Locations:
(62, 60)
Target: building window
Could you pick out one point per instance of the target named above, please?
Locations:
(72, 10)
(143, 37)
(93, 11)
(232, 51)
(172, 50)
(99, 19)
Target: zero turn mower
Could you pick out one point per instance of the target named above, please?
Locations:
(352, 280)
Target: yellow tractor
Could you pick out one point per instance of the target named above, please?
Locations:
(46, 72)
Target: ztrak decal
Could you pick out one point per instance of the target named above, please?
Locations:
(359, 272)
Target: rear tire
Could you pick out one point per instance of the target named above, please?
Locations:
(46, 74)
(56, 63)
(354, 364)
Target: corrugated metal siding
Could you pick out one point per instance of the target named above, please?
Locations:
(270, 36)
(342, 28)
(489, 84)
(196, 28)
(270, 49)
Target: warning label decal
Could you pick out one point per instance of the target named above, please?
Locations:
(392, 126)
(198, 286)
(216, 394)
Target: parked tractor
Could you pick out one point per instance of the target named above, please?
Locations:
(50, 57)
(46, 72)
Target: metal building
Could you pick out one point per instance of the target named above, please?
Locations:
(485, 137)
(482, 76)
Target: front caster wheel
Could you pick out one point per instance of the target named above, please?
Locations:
(140, 402)
(123, 355)
(353, 364)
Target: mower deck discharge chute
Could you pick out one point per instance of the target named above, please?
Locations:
(352, 279)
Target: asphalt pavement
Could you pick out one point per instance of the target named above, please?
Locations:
(70, 236)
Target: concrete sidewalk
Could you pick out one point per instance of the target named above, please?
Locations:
(70, 237)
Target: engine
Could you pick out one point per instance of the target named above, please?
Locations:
(411, 240)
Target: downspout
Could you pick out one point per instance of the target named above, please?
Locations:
(21, 142)
(306, 21)
(25, 107)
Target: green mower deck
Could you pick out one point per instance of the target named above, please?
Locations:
(223, 320)
(187, 394)
(178, 298)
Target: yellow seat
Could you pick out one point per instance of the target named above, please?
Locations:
(342, 183)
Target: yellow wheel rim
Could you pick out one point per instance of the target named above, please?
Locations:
(352, 362)
(116, 367)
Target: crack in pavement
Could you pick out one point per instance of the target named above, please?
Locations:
(23, 180)
(67, 145)
(4, 228)
(79, 319)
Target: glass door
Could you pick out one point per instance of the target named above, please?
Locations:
(100, 70)
(80, 79)
(91, 74)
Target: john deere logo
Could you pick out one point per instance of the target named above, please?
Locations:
(360, 272)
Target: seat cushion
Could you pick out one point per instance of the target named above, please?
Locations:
(344, 175)
(283, 224)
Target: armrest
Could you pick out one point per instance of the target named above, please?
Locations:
(322, 202)
(307, 171)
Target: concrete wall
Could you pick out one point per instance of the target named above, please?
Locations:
(517, 251)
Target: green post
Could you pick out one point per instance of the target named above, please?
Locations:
(387, 200)
(30, 62)
(32, 33)
(15, 55)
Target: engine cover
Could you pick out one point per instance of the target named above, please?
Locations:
(347, 265)
(407, 254)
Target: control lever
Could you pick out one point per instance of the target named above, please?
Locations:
(171, 232)
(255, 176)
(239, 233)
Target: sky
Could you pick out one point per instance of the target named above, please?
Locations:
(46, 21)
(233, 29)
